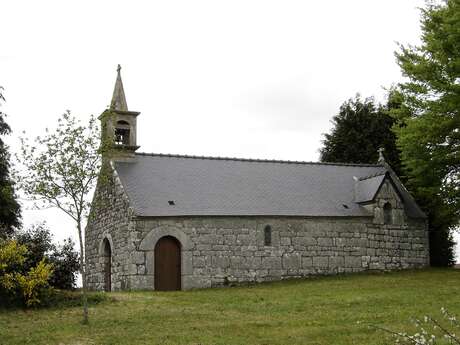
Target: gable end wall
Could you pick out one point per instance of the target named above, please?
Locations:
(111, 218)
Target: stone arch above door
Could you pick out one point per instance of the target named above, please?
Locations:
(101, 243)
(151, 239)
(148, 245)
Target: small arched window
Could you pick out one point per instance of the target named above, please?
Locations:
(387, 213)
(122, 133)
(268, 235)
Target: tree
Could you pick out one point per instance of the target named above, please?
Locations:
(39, 243)
(60, 170)
(65, 262)
(428, 128)
(10, 210)
(360, 128)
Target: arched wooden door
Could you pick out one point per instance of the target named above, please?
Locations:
(167, 264)
(107, 266)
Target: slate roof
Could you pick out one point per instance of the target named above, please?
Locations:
(207, 186)
(367, 187)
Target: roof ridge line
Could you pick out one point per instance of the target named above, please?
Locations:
(253, 160)
(372, 175)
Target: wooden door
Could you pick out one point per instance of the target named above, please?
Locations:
(167, 264)
(107, 266)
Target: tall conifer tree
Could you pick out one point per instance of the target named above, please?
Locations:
(10, 210)
(360, 128)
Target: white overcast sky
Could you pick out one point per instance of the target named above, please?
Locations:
(258, 79)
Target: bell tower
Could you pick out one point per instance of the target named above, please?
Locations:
(119, 125)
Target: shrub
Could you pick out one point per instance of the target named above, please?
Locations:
(35, 283)
(38, 240)
(65, 260)
(11, 255)
(429, 331)
(11, 259)
(17, 287)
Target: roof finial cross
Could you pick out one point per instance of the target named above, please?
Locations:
(118, 68)
(381, 156)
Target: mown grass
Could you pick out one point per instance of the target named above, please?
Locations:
(326, 310)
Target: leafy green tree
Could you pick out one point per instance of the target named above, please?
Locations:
(60, 170)
(428, 128)
(39, 243)
(360, 128)
(66, 263)
(10, 210)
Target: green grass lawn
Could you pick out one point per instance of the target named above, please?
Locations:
(326, 310)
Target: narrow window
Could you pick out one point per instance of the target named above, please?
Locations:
(387, 214)
(268, 235)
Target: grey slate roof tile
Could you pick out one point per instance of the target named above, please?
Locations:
(366, 188)
(207, 186)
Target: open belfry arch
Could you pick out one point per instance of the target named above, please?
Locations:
(169, 222)
(118, 123)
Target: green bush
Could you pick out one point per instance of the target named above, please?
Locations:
(17, 287)
(65, 260)
(66, 263)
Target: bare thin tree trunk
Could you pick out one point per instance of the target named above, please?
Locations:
(83, 274)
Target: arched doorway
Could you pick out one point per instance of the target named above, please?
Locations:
(107, 262)
(167, 264)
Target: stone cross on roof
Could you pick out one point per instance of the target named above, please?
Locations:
(381, 156)
(119, 99)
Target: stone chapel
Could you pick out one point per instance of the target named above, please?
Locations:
(172, 222)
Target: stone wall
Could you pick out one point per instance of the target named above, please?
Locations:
(231, 249)
(219, 251)
(111, 218)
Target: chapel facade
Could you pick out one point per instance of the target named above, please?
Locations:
(171, 222)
